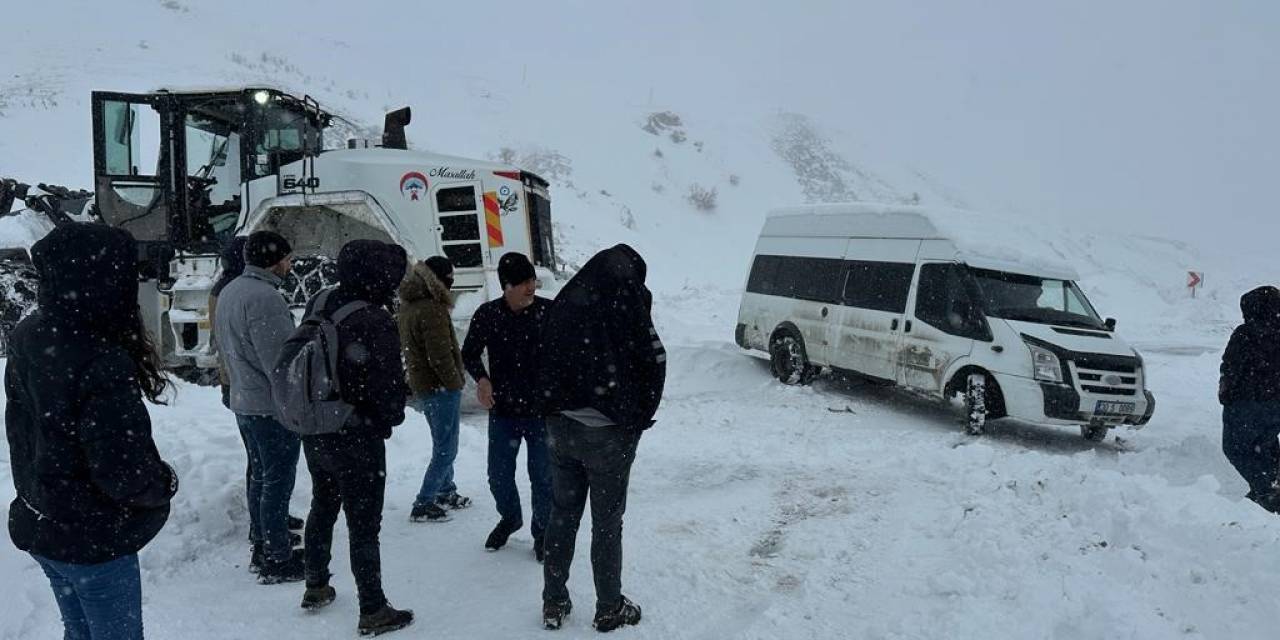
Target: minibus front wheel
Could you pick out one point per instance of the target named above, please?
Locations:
(789, 360)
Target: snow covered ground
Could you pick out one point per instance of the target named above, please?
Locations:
(764, 511)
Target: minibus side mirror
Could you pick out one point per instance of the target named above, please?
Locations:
(1109, 324)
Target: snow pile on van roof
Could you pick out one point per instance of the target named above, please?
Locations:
(23, 229)
(982, 239)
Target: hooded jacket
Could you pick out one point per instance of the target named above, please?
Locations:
(91, 486)
(599, 348)
(370, 371)
(431, 354)
(232, 260)
(1251, 364)
(251, 326)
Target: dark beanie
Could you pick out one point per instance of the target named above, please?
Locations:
(265, 248)
(514, 268)
(440, 266)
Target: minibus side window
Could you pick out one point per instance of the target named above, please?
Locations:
(945, 300)
(878, 286)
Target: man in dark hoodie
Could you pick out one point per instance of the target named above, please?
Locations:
(434, 365)
(1249, 390)
(348, 468)
(601, 372)
(91, 487)
(508, 328)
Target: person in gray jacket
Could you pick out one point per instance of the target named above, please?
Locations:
(251, 324)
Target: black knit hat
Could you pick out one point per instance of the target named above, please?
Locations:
(514, 268)
(440, 266)
(265, 248)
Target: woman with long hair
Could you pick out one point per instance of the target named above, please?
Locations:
(91, 487)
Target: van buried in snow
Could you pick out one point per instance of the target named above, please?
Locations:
(944, 302)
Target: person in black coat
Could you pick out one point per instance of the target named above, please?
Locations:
(91, 487)
(1249, 390)
(348, 468)
(601, 373)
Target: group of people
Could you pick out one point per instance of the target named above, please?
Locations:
(575, 380)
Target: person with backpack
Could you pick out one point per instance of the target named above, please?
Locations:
(348, 464)
(507, 328)
(251, 325)
(1249, 391)
(598, 400)
(91, 487)
(434, 366)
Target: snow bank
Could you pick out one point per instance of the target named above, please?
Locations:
(23, 229)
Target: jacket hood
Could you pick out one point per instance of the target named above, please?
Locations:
(1262, 307)
(614, 276)
(423, 284)
(88, 274)
(371, 270)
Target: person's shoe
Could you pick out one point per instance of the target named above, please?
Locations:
(626, 613)
(498, 537)
(453, 501)
(255, 559)
(296, 523)
(429, 513)
(291, 570)
(295, 540)
(386, 619)
(554, 613)
(539, 551)
(316, 597)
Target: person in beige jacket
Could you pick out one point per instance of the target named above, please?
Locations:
(433, 364)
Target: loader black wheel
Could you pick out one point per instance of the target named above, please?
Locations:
(309, 276)
(789, 359)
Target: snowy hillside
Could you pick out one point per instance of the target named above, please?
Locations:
(757, 510)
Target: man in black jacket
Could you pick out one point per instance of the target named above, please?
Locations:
(91, 487)
(1249, 390)
(508, 329)
(348, 468)
(600, 397)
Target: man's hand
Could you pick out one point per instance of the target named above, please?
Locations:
(484, 393)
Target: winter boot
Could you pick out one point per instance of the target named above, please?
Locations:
(255, 558)
(316, 597)
(296, 523)
(498, 537)
(626, 613)
(554, 613)
(295, 540)
(386, 619)
(453, 501)
(429, 513)
(539, 551)
(291, 570)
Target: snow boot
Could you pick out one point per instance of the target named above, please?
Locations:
(626, 613)
(453, 501)
(498, 537)
(383, 620)
(429, 513)
(291, 570)
(554, 613)
(317, 597)
(295, 540)
(255, 558)
(296, 523)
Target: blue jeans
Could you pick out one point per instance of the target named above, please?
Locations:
(442, 409)
(97, 601)
(505, 435)
(273, 466)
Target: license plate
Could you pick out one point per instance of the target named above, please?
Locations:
(1107, 407)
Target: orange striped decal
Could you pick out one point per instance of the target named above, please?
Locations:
(493, 218)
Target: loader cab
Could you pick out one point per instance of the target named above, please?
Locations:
(172, 167)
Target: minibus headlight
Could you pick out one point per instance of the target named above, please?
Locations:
(1045, 364)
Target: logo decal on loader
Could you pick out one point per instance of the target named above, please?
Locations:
(413, 185)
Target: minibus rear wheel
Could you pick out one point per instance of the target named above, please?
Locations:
(789, 359)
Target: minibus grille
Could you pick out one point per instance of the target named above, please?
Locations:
(1106, 375)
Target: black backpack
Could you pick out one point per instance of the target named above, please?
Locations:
(305, 381)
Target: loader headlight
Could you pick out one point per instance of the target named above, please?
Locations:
(1045, 364)
(261, 97)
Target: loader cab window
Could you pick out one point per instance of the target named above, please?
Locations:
(132, 142)
(283, 133)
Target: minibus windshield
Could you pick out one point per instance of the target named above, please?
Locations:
(1014, 296)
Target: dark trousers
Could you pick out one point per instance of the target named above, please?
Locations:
(348, 474)
(505, 436)
(97, 601)
(273, 467)
(587, 462)
(1249, 438)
